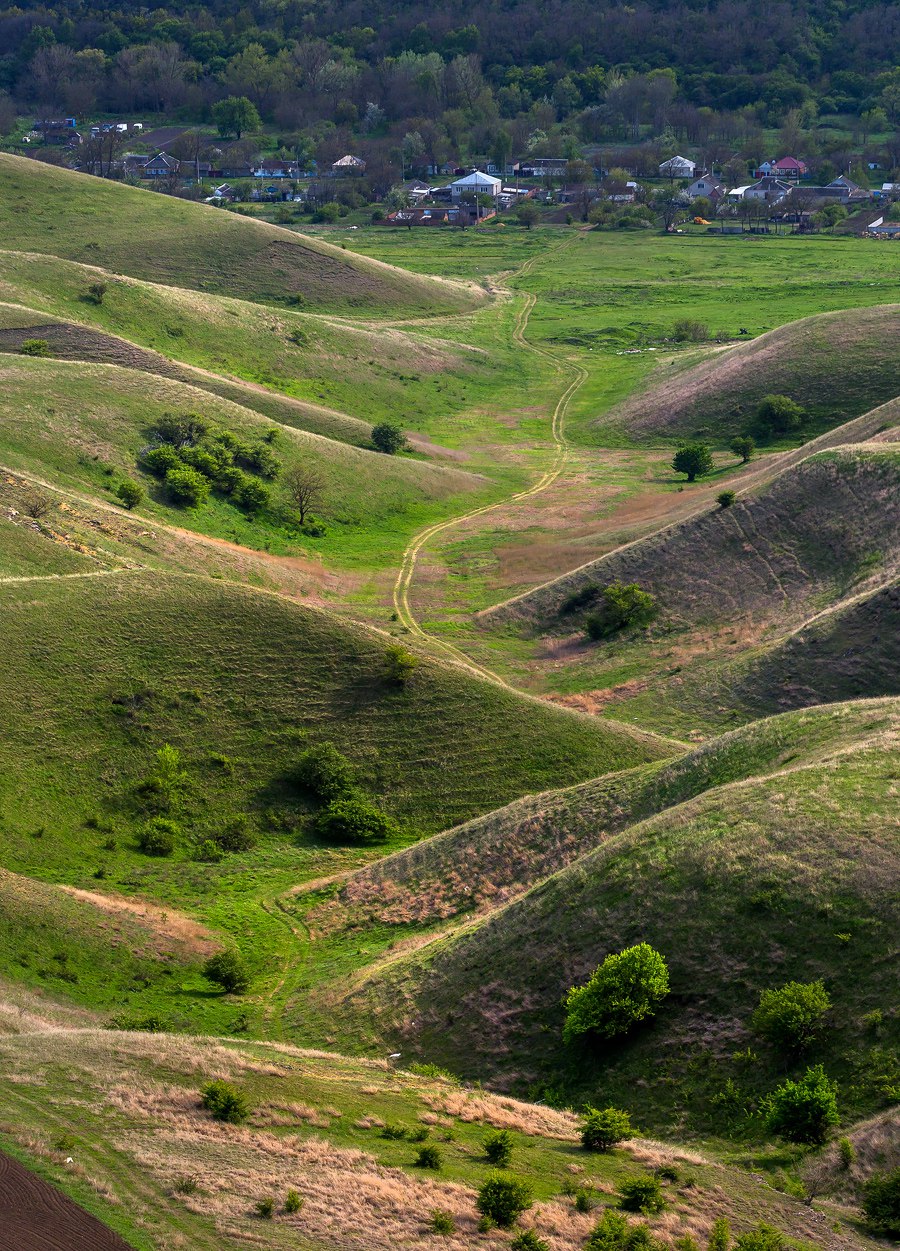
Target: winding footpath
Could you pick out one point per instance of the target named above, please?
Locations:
(573, 376)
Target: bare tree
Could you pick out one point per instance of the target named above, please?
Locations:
(305, 487)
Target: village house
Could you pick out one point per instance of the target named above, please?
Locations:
(541, 167)
(60, 132)
(677, 167)
(884, 230)
(707, 186)
(273, 167)
(475, 184)
(160, 166)
(788, 167)
(347, 166)
(769, 190)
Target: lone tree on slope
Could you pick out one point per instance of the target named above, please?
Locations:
(694, 459)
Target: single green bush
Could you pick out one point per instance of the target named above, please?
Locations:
(693, 459)
(805, 1110)
(620, 993)
(498, 1148)
(160, 459)
(429, 1157)
(579, 599)
(261, 459)
(725, 499)
(621, 607)
(504, 1199)
(846, 1152)
(324, 772)
(583, 1201)
(762, 1238)
(228, 970)
(250, 495)
(400, 664)
(642, 1194)
(527, 1240)
(292, 1202)
(742, 446)
(602, 1128)
(210, 852)
(225, 1102)
(266, 1208)
(34, 347)
(236, 835)
(609, 1234)
(720, 1235)
(354, 820)
(181, 430)
(441, 1222)
(130, 493)
(778, 414)
(159, 837)
(187, 487)
(792, 1016)
(388, 437)
(881, 1203)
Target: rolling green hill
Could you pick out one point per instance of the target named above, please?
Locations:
(787, 875)
(167, 240)
(836, 365)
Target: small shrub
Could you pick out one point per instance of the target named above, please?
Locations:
(583, 1201)
(158, 837)
(187, 1186)
(236, 835)
(37, 506)
(622, 606)
(187, 487)
(579, 599)
(250, 495)
(429, 1157)
(642, 1194)
(34, 347)
(609, 1234)
(620, 993)
(498, 1148)
(485, 1225)
(778, 414)
(353, 820)
(324, 772)
(96, 291)
(504, 1199)
(725, 499)
(225, 1102)
(160, 459)
(762, 1238)
(266, 1208)
(528, 1240)
(389, 438)
(441, 1222)
(292, 1202)
(804, 1111)
(881, 1202)
(261, 459)
(720, 1235)
(603, 1128)
(130, 493)
(210, 852)
(688, 331)
(392, 1132)
(227, 969)
(793, 1015)
(846, 1153)
(400, 664)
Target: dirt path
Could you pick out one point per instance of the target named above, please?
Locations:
(35, 1216)
(575, 376)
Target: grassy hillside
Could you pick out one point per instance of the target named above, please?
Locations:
(163, 239)
(836, 365)
(82, 427)
(745, 887)
(372, 374)
(345, 1135)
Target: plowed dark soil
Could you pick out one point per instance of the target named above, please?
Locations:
(35, 1216)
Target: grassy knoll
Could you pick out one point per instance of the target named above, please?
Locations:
(745, 887)
(344, 1134)
(371, 374)
(163, 239)
(103, 671)
(82, 427)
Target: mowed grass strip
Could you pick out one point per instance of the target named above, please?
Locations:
(135, 231)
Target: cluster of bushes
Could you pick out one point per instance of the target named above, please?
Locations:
(194, 456)
(346, 815)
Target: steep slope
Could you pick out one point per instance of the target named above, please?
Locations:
(836, 365)
(806, 538)
(164, 239)
(343, 1135)
(745, 887)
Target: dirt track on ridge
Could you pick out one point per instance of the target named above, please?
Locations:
(35, 1216)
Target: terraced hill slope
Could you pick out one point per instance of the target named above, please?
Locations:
(342, 1134)
(789, 874)
(163, 239)
(836, 365)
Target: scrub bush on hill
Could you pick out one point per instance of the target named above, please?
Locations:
(225, 1102)
(620, 993)
(325, 773)
(804, 1110)
(504, 1199)
(130, 493)
(498, 1148)
(792, 1016)
(778, 414)
(187, 486)
(388, 437)
(642, 1194)
(881, 1203)
(622, 606)
(354, 820)
(693, 459)
(227, 969)
(603, 1128)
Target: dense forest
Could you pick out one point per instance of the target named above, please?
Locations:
(461, 79)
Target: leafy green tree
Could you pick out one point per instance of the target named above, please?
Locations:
(354, 820)
(620, 993)
(779, 414)
(498, 1148)
(693, 459)
(622, 606)
(742, 446)
(234, 115)
(388, 437)
(225, 1102)
(805, 1110)
(881, 1203)
(793, 1015)
(187, 487)
(528, 214)
(228, 970)
(400, 663)
(602, 1128)
(504, 1199)
(130, 493)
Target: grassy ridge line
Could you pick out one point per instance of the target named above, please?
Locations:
(507, 851)
(719, 395)
(858, 431)
(743, 887)
(139, 232)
